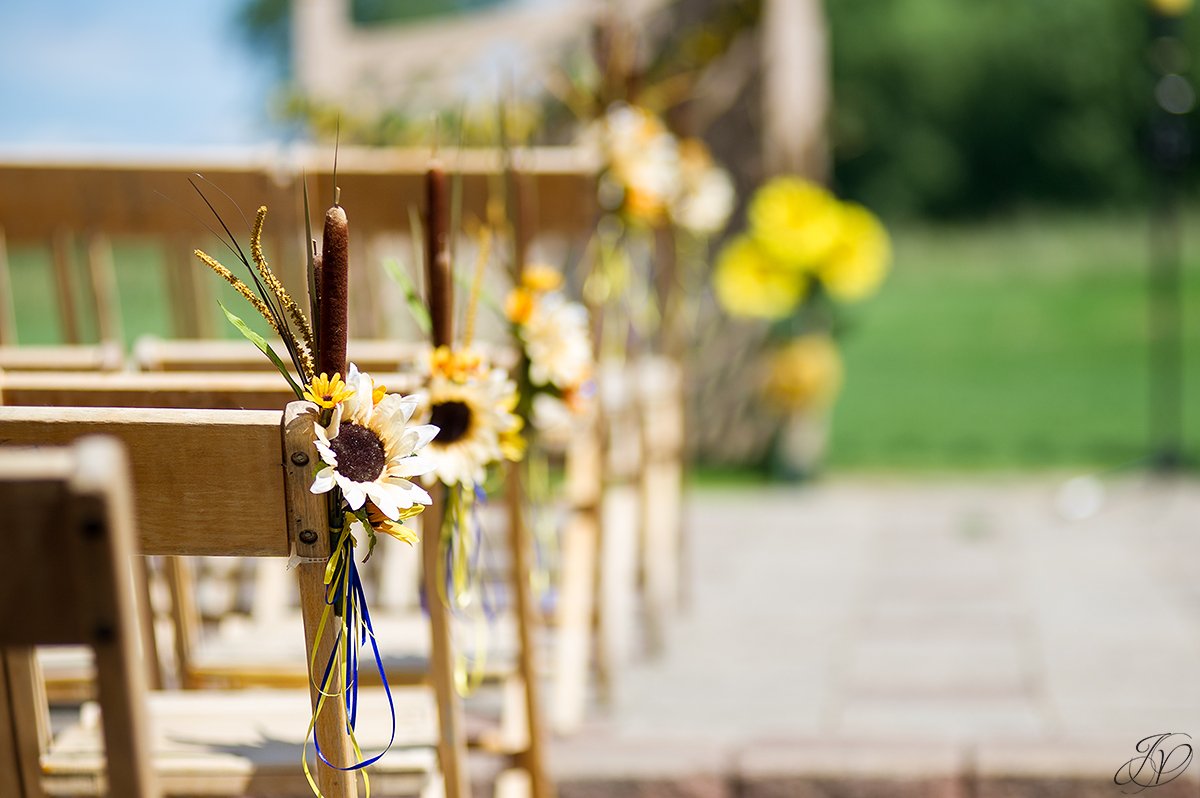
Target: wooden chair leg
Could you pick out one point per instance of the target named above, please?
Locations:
(185, 617)
(10, 758)
(533, 758)
(307, 513)
(30, 715)
(452, 744)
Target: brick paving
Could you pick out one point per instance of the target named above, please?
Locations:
(877, 637)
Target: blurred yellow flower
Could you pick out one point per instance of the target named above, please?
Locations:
(795, 221)
(1171, 8)
(804, 374)
(859, 260)
(456, 365)
(541, 277)
(518, 305)
(748, 282)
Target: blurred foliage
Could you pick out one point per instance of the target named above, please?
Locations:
(944, 107)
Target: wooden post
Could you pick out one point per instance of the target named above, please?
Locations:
(796, 91)
(30, 715)
(102, 278)
(309, 533)
(580, 564)
(62, 245)
(190, 298)
(452, 745)
(10, 760)
(185, 617)
(8, 318)
(533, 758)
(520, 543)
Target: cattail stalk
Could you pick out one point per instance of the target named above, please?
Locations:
(334, 285)
(438, 282)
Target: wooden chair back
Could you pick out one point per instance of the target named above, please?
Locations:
(68, 532)
(222, 483)
(78, 206)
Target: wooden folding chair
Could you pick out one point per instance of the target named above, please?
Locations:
(226, 483)
(66, 578)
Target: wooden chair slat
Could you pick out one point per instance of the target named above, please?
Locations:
(228, 460)
(80, 357)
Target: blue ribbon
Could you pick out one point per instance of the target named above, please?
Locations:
(347, 576)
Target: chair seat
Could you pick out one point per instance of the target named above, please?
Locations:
(69, 673)
(249, 742)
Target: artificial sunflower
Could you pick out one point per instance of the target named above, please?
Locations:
(370, 451)
(472, 406)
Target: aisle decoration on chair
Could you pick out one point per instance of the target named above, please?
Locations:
(805, 256)
(369, 450)
(473, 402)
(553, 334)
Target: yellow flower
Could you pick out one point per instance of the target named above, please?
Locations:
(381, 523)
(455, 364)
(541, 278)
(795, 221)
(806, 373)
(859, 261)
(512, 445)
(748, 282)
(379, 392)
(1171, 8)
(519, 305)
(328, 392)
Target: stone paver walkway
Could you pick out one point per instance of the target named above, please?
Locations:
(962, 634)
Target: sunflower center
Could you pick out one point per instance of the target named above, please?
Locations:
(359, 453)
(453, 420)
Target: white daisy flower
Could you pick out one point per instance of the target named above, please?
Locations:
(643, 159)
(706, 193)
(370, 452)
(558, 343)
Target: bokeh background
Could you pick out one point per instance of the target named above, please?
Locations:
(1006, 144)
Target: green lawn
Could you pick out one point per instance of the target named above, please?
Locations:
(1019, 343)
(1014, 344)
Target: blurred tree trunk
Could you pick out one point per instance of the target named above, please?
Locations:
(796, 88)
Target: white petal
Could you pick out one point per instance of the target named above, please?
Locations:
(335, 423)
(420, 436)
(413, 466)
(327, 454)
(385, 499)
(353, 492)
(324, 481)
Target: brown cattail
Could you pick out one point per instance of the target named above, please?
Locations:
(334, 283)
(439, 285)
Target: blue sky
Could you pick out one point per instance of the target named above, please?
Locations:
(130, 73)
